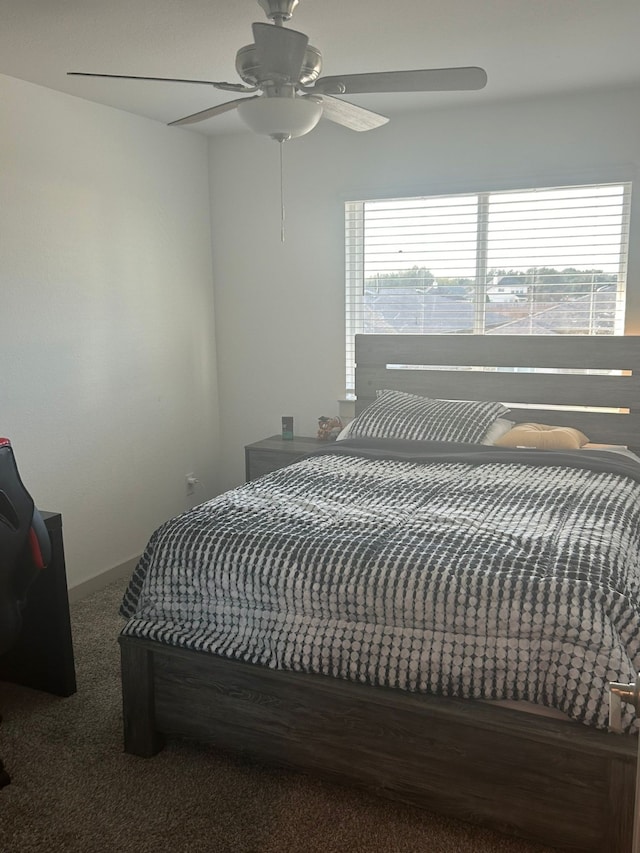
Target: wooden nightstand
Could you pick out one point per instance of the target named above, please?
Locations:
(274, 452)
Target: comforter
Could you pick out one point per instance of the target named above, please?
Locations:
(461, 570)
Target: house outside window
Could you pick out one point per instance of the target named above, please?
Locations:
(544, 261)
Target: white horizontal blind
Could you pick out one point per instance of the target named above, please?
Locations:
(537, 261)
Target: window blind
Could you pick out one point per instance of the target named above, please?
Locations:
(549, 261)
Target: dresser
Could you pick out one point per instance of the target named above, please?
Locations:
(42, 657)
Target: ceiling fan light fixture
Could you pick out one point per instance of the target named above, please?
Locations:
(280, 118)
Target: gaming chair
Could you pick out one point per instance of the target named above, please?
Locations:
(25, 549)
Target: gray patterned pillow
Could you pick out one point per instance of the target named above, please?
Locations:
(395, 414)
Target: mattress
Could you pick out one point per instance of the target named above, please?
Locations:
(458, 570)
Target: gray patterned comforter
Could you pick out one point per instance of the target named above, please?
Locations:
(460, 570)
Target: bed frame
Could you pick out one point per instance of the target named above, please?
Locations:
(547, 780)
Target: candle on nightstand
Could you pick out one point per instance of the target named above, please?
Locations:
(287, 428)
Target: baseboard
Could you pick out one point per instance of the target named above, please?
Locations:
(95, 584)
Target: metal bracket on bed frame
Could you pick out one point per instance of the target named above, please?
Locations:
(619, 693)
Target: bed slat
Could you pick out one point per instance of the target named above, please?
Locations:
(549, 351)
(541, 388)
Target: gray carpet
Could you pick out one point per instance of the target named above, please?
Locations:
(74, 789)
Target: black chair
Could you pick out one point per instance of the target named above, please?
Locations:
(25, 549)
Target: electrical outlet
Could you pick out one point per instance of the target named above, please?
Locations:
(192, 482)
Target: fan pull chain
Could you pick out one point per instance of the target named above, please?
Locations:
(281, 196)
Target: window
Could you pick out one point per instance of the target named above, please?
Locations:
(538, 261)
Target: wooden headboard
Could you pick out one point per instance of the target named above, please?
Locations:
(466, 367)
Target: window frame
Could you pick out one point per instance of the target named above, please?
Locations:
(355, 256)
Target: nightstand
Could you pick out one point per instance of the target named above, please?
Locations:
(274, 452)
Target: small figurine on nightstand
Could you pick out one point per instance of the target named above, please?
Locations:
(329, 428)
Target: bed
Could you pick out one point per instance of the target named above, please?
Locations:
(429, 736)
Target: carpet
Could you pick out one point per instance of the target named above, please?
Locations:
(74, 789)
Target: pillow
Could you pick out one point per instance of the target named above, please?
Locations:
(543, 437)
(593, 446)
(497, 430)
(620, 449)
(344, 432)
(395, 414)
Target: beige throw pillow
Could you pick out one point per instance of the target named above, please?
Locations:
(543, 437)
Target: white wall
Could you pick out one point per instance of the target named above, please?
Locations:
(108, 372)
(107, 351)
(279, 307)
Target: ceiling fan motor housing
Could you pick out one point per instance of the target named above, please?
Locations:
(278, 10)
(249, 70)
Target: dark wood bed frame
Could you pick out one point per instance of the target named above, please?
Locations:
(548, 780)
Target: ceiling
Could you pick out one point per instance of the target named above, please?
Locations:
(528, 47)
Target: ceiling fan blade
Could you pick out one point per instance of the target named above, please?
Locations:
(229, 87)
(280, 52)
(211, 112)
(428, 80)
(350, 115)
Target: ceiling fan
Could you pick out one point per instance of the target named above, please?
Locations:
(284, 70)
